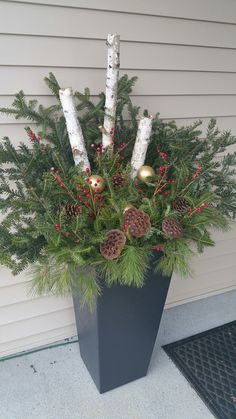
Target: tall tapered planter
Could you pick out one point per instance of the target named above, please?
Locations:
(116, 339)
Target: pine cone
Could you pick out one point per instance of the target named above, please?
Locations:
(113, 244)
(180, 204)
(172, 228)
(118, 180)
(72, 210)
(137, 221)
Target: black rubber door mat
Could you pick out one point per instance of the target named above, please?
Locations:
(208, 361)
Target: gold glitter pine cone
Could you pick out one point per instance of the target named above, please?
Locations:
(112, 246)
(172, 228)
(138, 222)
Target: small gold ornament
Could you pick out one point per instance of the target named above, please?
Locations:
(127, 207)
(97, 183)
(144, 172)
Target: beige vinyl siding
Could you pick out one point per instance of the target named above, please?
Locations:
(184, 54)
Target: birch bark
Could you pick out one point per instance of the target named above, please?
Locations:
(141, 144)
(113, 64)
(73, 128)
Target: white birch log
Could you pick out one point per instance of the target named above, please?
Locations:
(73, 128)
(141, 144)
(113, 64)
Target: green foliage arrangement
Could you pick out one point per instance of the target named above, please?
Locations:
(75, 234)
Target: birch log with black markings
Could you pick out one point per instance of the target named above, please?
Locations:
(74, 130)
(141, 144)
(113, 64)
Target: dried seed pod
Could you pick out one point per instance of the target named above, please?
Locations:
(112, 246)
(138, 222)
(172, 227)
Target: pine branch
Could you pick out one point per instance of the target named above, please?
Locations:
(53, 85)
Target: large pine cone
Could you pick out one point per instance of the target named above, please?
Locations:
(72, 210)
(113, 244)
(118, 180)
(180, 204)
(137, 221)
(172, 228)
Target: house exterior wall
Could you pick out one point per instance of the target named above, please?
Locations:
(184, 53)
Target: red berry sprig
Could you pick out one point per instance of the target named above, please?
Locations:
(56, 176)
(160, 248)
(92, 199)
(57, 227)
(32, 136)
(121, 148)
(197, 172)
(162, 181)
(192, 210)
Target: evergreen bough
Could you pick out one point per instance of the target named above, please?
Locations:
(39, 179)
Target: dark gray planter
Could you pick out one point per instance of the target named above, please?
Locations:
(117, 338)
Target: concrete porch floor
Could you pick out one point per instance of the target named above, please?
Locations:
(54, 384)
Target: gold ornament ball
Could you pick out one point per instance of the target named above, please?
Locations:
(144, 172)
(96, 182)
(127, 207)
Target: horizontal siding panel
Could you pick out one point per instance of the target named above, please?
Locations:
(16, 293)
(223, 247)
(7, 279)
(211, 10)
(83, 24)
(33, 308)
(200, 294)
(31, 81)
(210, 265)
(168, 106)
(188, 106)
(219, 236)
(185, 289)
(38, 51)
(35, 325)
(37, 340)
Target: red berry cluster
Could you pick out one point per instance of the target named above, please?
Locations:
(198, 171)
(197, 209)
(162, 182)
(57, 227)
(98, 149)
(56, 176)
(32, 136)
(161, 248)
(163, 171)
(119, 149)
(162, 154)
